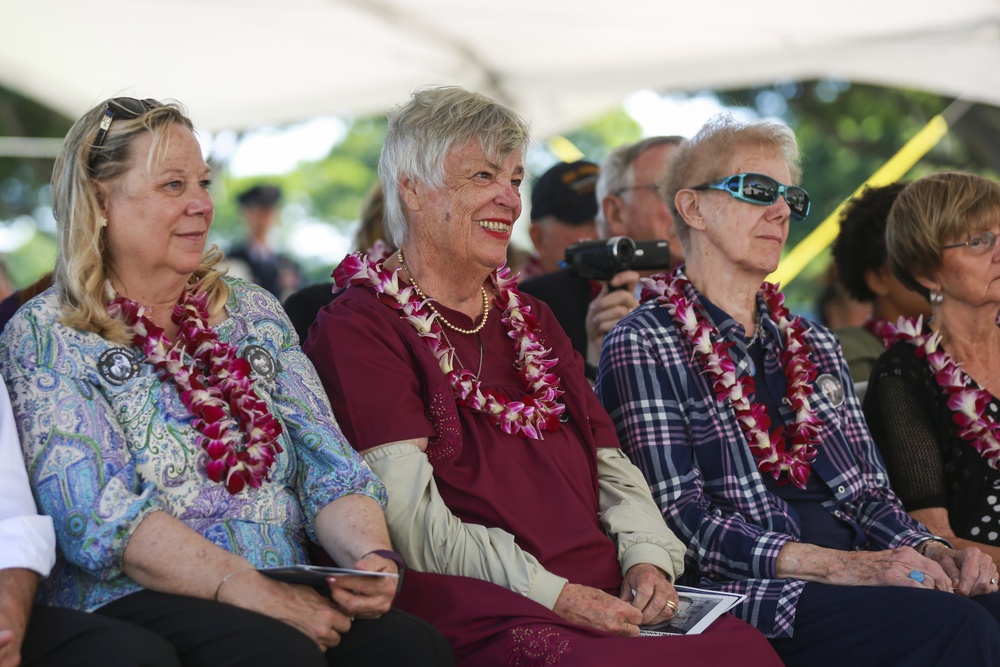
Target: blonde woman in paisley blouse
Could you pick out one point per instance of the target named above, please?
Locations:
(933, 403)
(175, 432)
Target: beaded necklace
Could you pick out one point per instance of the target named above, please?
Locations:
(430, 302)
(532, 415)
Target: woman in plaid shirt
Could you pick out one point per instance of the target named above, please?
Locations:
(745, 422)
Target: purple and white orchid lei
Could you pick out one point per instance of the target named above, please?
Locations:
(966, 399)
(786, 452)
(238, 431)
(536, 412)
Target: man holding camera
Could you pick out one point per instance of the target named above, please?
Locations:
(630, 205)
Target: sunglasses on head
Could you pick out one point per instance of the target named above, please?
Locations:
(763, 191)
(122, 107)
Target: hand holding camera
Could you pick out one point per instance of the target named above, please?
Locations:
(601, 260)
(615, 300)
(616, 262)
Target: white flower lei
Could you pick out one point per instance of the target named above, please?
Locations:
(966, 400)
(786, 462)
(529, 417)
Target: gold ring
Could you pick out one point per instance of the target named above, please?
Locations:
(672, 605)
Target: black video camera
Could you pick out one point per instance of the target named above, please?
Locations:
(601, 260)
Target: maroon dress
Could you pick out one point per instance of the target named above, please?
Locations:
(385, 385)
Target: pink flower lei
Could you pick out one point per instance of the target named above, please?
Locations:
(966, 399)
(529, 417)
(876, 326)
(787, 452)
(239, 434)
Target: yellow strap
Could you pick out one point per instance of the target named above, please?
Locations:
(564, 149)
(812, 245)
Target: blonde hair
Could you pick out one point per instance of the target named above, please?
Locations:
(934, 211)
(81, 271)
(372, 226)
(703, 157)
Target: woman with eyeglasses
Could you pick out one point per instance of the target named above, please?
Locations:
(932, 403)
(177, 435)
(745, 421)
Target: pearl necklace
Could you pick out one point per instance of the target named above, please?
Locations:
(430, 302)
(531, 415)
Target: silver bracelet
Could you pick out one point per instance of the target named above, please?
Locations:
(228, 577)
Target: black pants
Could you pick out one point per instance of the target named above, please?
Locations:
(858, 626)
(70, 638)
(212, 634)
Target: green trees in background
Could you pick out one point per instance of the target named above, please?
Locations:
(846, 132)
(24, 197)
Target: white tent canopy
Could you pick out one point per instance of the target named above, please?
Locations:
(240, 63)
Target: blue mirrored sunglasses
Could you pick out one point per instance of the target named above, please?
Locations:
(763, 191)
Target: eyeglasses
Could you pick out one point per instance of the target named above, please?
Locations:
(762, 190)
(122, 107)
(652, 187)
(979, 243)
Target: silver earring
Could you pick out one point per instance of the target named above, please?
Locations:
(104, 221)
(937, 298)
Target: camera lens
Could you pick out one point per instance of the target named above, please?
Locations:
(624, 249)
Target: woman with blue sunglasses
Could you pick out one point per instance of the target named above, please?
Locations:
(744, 419)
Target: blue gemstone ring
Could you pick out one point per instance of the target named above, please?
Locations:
(917, 576)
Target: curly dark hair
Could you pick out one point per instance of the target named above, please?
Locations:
(860, 247)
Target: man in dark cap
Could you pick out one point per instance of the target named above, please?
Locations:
(254, 258)
(563, 209)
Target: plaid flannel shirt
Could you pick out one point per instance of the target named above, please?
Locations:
(704, 477)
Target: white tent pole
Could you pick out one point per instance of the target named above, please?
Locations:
(29, 147)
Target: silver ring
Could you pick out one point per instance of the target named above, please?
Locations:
(993, 581)
(917, 576)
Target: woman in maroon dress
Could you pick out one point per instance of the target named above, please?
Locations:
(530, 537)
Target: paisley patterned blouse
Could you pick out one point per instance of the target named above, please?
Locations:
(107, 442)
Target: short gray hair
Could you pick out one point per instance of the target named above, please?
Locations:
(423, 131)
(616, 169)
(703, 157)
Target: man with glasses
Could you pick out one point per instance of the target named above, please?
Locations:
(629, 205)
